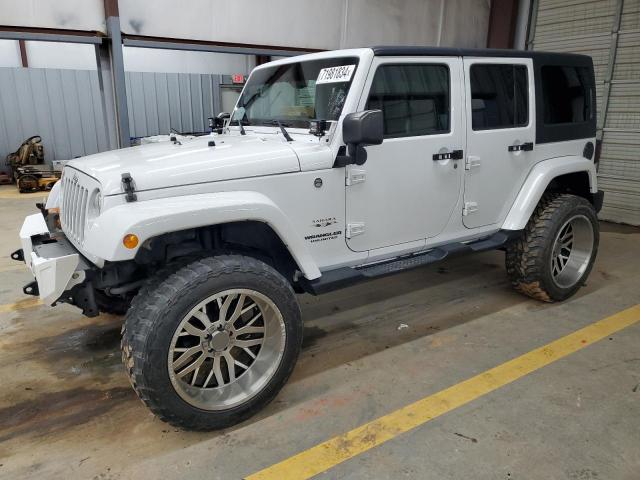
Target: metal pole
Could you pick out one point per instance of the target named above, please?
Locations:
(107, 96)
(613, 50)
(119, 85)
(533, 19)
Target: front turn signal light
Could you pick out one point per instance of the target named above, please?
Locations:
(130, 240)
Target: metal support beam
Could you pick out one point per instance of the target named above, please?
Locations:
(613, 51)
(200, 46)
(261, 59)
(107, 95)
(522, 24)
(64, 36)
(118, 81)
(503, 17)
(110, 64)
(23, 54)
(533, 20)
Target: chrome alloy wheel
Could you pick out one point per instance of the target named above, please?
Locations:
(572, 251)
(226, 349)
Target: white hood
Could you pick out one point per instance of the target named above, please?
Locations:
(167, 164)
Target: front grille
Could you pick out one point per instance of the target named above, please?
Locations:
(73, 210)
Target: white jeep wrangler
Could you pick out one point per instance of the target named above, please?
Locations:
(333, 168)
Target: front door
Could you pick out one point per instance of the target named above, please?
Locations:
(500, 136)
(403, 193)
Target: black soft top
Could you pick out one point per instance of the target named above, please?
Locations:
(544, 133)
(537, 56)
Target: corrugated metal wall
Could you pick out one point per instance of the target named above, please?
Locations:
(609, 31)
(62, 106)
(620, 165)
(65, 108)
(160, 101)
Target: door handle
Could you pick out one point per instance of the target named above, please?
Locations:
(453, 155)
(524, 147)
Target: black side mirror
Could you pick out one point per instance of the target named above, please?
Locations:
(360, 129)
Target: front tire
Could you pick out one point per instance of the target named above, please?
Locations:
(555, 254)
(213, 343)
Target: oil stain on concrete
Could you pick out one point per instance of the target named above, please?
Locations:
(51, 412)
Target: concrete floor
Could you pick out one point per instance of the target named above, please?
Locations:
(67, 411)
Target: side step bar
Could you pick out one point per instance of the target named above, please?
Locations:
(346, 276)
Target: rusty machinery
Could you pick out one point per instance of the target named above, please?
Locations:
(28, 169)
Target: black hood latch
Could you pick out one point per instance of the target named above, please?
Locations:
(129, 187)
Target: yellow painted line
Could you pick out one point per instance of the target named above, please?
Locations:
(343, 447)
(21, 305)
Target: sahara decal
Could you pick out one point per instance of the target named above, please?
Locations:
(324, 222)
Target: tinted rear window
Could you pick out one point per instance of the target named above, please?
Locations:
(567, 94)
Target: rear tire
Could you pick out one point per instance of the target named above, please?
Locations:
(555, 254)
(191, 312)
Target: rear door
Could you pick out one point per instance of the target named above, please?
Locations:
(500, 136)
(402, 194)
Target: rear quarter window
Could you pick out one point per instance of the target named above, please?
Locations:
(567, 94)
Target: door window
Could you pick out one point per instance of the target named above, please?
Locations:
(414, 99)
(499, 96)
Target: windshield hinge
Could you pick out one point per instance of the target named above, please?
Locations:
(353, 229)
(355, 175)
(469, 207)
(472, 161)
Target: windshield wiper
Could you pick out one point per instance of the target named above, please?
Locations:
(282, 129)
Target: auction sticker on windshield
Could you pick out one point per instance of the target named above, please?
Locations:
(336, 74)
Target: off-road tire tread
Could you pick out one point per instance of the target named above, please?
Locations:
(159, 295)
(524, 258)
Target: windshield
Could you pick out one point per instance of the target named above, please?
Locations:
(296, 93)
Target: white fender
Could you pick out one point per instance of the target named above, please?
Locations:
(154, 217)
(54, 196)
(536, 183)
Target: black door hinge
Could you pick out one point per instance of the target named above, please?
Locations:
(128, 187)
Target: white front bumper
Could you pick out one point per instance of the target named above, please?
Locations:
(53, 272)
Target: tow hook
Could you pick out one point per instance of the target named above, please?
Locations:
(18, 255)
(31, 289)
